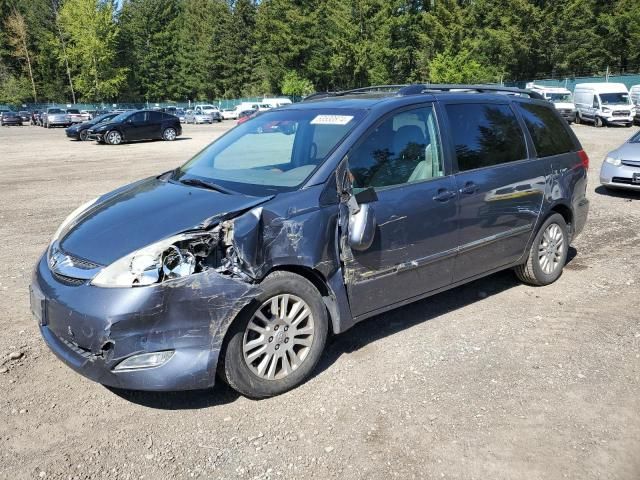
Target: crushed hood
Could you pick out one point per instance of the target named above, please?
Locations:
(145, 212)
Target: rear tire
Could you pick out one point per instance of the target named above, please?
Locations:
(548, 253)
(292, 338)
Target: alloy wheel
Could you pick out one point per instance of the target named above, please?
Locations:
(114, 137)
(169, 134)
(551, 249)
(279, 336)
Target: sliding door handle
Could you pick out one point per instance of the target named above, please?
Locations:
(469, 188)
(444, 195)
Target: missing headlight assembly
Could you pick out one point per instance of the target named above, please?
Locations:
(174, 257)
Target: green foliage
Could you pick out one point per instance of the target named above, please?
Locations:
(91, 33)
(13, 90)
(296, 86)
(462, 67)
(133, 50)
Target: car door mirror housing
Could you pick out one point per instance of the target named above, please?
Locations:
(362, 227)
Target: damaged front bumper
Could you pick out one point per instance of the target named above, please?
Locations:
(92, 329)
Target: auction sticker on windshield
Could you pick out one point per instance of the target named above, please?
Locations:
(332, 120)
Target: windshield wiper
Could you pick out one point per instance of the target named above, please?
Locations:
(197, 182)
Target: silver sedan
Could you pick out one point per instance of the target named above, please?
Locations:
(621, 167)
(194, 117)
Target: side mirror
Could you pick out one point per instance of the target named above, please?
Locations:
(362, 227)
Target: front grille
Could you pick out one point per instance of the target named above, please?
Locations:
(72, 282)
(624, 180)
(621, 113)
(82, 263)
(631, 163)
(565, 111)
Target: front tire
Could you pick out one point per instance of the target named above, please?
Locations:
(113, 137)
(598, 122)
(84, 134)
(169, 134)
(548, 253)
(275, 344)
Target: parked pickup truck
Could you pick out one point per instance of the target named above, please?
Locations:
(77, 116)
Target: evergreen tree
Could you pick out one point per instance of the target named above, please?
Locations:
(148, 45)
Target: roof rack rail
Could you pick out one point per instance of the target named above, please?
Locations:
(459, 88)
(355, 91)
(419, 88)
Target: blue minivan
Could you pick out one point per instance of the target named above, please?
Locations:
(300, 223)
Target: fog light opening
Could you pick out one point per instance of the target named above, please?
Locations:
(144, 360)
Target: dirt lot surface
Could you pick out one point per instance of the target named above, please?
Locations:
(493, 380)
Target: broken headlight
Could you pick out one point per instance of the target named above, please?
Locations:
(171, 258)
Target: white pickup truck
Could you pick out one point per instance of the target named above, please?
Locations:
(77, 116)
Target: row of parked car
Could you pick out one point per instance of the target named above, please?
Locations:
(199, 114)
(599, 104)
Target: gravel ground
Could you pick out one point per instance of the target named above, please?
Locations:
(491, 380)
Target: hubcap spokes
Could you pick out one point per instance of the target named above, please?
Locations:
(279, 337)
(551, 249)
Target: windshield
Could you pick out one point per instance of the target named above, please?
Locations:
(103, 117)
(613, 98)
(560, 97)
(273, 152)
(73, 110)
(55, 110)
(635, 138)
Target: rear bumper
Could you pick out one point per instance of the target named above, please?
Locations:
(581, 213)
(92, 329)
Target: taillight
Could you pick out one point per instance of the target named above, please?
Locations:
(584, 158)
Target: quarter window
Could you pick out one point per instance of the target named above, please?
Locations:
(549, 135)
(404, 148)
(485, 135)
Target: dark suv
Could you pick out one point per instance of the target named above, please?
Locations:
(137, 125)
(302, 222)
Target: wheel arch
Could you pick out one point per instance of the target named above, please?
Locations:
(318, 280)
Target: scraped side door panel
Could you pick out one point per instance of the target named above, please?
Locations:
(416, 212)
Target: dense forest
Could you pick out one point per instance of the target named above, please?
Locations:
(155, 50)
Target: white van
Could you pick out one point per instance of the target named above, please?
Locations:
(560, 97)
(277, 101)
(603, 104)
(634, 93)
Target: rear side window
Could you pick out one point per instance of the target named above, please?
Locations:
(485, 135)
(548, 132)
(138, 117)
